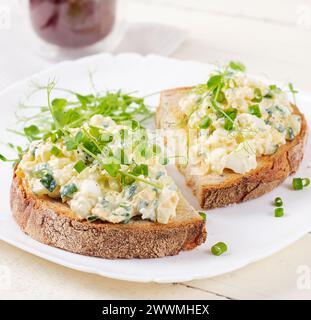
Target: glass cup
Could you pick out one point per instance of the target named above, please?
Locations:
(74, 27)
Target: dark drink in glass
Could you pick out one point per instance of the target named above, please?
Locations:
(72, 23)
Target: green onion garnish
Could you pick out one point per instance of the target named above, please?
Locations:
(202, 214)
(219, 248)
(55, 151)
(92, 218)
(156, 149)
(48, 182)
(257, 95)
(278, 212)
(290, 134)
(254, 110)
(79, 166)
(297, 184)
(164, 161)
(68, 190)
(278, 202)
(106, 138)
(306, 182)
(300, 183)
(205, 122)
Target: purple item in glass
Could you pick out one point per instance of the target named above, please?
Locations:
(72, 23)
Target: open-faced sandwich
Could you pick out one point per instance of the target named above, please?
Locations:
(244, 136)
(95, 186)
(93, 181)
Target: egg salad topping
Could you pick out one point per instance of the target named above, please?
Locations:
(236, 119)
(102, 170)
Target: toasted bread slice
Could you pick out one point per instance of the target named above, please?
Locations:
(52, 222)
(213, 190)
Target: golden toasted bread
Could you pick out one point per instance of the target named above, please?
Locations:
(213, 190)
(53, 223)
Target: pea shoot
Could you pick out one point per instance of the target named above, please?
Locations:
(231, 115)
(237, 66)
(77, 108)
(293, 91)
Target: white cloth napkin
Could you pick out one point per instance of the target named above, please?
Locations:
(19, 51)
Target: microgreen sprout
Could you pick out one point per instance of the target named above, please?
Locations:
(293, 91)
(56, 119)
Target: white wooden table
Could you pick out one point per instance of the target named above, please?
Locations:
(270, 36)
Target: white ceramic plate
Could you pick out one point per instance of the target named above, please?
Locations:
(249, 229)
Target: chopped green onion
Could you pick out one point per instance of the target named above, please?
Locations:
(156, 149)
(278, 212)
(297, 184)
(290, 134)
(278, 202)
(254, 110)
(300, 183)
(219, 248)
(55, 151)
(68, 190)
(79, 166)
(106, 138)
(202, 214)
(306, 182)
(164, 161)
(134, 125)
(205, 122)
(268, 95)
(257, 95)
(92, 218)
(146, 152)
(48, 182)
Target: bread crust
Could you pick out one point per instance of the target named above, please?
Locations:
(53, 223)
(235, 188)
